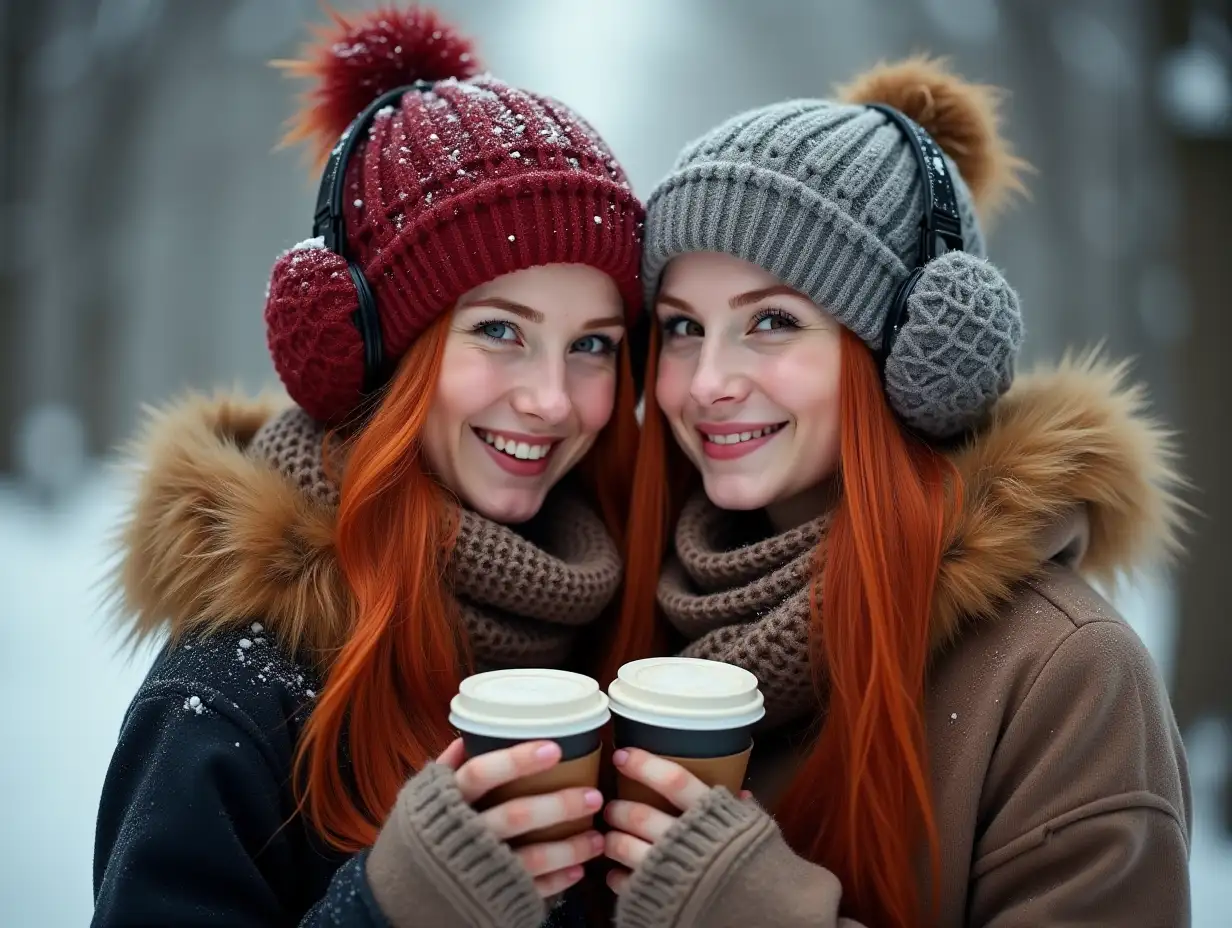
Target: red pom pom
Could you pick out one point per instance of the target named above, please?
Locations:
(353, 61)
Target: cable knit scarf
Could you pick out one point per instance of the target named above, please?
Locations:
(745, 603)
(523, 593)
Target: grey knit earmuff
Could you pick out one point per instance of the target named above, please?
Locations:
(960, 316)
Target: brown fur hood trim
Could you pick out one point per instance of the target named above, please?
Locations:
(217, 538)
(1072, 466)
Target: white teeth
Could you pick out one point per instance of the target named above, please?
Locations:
(737, 437)
(521, 450)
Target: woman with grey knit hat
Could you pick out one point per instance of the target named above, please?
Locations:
(843, 489)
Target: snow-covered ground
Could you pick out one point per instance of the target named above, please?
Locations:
(65, 681)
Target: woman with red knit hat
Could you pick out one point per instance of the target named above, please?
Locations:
(445, 495)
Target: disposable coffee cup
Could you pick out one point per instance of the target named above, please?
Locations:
(699, 714)
(504, 708)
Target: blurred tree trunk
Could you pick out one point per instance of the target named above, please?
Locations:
(1205, 645)
(1202, 686)
(22, 30)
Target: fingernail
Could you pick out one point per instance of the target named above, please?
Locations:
(620, 757)
(593, 799)
(545, 751)
(596, 842)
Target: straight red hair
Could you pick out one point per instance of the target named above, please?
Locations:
(383, 711)
(861, 802)
(662, 477)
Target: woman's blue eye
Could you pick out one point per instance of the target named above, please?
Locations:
(594, 344)
(683, 327)
(499, 331)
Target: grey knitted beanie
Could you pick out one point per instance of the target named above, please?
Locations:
(827, 196)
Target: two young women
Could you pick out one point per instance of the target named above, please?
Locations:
(959, 731)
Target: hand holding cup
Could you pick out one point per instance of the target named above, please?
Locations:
(682, 727)
(532, 736)
(555, 865)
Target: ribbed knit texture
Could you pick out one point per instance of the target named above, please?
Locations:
(746, 605)
(522, 601)
(828, 197)
(454, 187)
(435, 835)
(675, 864)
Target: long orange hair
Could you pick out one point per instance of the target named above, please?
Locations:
(387, 691)
(861, 803)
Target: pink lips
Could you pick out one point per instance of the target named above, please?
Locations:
(727, 452)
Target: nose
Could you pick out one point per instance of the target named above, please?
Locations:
(717, 379)
(544, 394)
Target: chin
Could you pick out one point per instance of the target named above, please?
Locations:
(738, 493)
(507, 508)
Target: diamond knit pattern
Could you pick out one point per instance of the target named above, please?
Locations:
(956, 357)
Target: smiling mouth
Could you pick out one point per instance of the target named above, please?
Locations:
(736, 438)
(519, 450)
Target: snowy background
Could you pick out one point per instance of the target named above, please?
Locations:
(143, 200)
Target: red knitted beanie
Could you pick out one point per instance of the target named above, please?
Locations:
(455, 186)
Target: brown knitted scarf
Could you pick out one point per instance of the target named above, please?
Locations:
(746, 603)
(524, 592)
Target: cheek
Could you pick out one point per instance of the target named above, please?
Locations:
(469, 383)
(594, 396)
(805, 383)
(672, 385)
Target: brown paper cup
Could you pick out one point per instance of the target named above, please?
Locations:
(582, 771)
(713, 771)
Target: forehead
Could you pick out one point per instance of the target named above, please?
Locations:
(705, 276)
(551, 289)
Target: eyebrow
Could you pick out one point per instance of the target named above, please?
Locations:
(754, 296)
(532, 315)
(737, 301)
(604, 321)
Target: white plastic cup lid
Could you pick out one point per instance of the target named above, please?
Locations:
(687, 693)
(528, 703)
